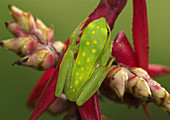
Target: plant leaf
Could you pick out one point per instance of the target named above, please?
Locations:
(37, 91)
(123, 51)
(90, 110)
(156, 70)
(140, 33)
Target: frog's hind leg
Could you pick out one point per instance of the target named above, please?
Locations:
(94, 82)
(93, 85)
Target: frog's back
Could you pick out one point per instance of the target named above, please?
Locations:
(91, 45)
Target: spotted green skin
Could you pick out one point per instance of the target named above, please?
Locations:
(80, 78)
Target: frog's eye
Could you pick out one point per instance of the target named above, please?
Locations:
(108, 32)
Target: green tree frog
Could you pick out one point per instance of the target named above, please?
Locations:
(82, 77)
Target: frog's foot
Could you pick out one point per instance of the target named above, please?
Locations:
(78, 30)
(110, 66)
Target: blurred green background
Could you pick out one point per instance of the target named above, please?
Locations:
(16, 82)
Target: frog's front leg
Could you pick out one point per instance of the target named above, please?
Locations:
(94, 82)
(66, 65)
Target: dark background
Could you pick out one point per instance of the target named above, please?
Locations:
(16, 82)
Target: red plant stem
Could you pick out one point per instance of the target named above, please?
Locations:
(47, 99)
(110, 9)
(37, 91)
(140, 33)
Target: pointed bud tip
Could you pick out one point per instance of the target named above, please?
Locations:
(1, 43)
(149, 99)
(19, 62)
(121, 34)
(9, 6)
(35, 18)
(7, 23)
(16, 63)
